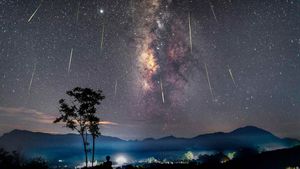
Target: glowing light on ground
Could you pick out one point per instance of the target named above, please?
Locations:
(231, 155)
(188, 156)
(121, 160)
(89, 164)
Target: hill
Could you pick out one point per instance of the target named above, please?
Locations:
(69, 146)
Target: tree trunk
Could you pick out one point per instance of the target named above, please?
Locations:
(93, 153)
(85, 150)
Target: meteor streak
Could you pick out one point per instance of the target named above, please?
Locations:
(70, 60)
(102, 37)
(162, 91)
(31, 80)
(35, 12)
(208, 80)
(212, 10)
(231, 75)
(116, 85)
(190, 33)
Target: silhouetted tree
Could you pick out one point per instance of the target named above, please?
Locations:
(36, 163)
(214, 158)
(95, 132)
(13, 160)
(79, 115)
(10, 160)
(246, 152)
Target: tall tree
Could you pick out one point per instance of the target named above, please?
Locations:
(79, 112)
(95, 132)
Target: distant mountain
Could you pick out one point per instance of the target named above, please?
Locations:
(249, 136)
(23, 139)
(34, 143)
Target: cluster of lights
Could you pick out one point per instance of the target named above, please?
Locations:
(293, 167)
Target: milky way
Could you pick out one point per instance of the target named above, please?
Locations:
(163, 59)
(178, 67)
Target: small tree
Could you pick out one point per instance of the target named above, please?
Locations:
(79, 114)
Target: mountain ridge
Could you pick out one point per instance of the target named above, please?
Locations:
(243, 129)
(247, 136)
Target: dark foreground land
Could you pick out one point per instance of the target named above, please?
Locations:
(278, 159)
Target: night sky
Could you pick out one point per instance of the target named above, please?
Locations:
(166, 67)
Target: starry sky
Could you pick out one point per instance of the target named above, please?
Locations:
(166, 67)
